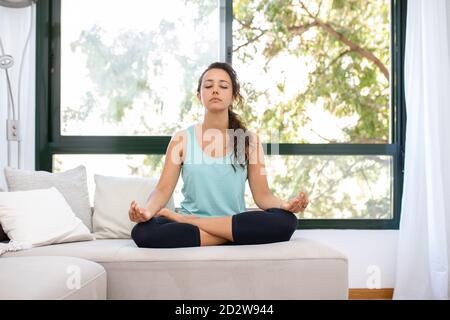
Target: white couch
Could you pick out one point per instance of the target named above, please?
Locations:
(117, 269)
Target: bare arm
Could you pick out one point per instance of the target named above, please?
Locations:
(257, 178)
(166, 184)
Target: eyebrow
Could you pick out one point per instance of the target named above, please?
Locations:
(219, 80)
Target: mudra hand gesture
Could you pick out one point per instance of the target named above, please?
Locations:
(297, 204)
(137, 214)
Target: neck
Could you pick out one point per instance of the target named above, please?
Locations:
(216, 121)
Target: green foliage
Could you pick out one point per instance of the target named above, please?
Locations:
(345, 79)
(342, 73)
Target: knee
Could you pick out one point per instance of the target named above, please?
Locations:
(286, 224)
(137, 235)
(142, 236)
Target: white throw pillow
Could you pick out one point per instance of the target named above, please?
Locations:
(113, 196)
(40, 217)
(71, 183)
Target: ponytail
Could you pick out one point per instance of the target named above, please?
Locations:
(235, 124)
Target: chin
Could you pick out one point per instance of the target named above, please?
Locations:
(216, 109)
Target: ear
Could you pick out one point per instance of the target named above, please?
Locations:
(198, 97)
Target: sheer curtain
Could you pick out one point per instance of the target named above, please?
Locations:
(14, 28)
(423, 248)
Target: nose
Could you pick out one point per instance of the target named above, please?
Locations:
(215, 90)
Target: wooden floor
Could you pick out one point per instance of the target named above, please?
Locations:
(370, 294)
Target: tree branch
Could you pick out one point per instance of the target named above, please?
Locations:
(299, 30)
(353, 46)
(250, 41)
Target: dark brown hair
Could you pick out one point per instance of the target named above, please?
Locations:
(234, 122)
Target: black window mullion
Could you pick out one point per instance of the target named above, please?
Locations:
(43, 85)
(55, 70)
(229, 31)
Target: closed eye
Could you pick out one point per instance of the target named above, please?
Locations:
(209, 87)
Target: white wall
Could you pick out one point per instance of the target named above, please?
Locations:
(448, 20)
(369, 253)
(14, 28)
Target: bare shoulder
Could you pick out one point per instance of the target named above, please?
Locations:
(179, 141)
(253, 139)
(253, 136)
(179, 135)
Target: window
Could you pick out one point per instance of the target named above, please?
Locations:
(127, 71)
(121, 80)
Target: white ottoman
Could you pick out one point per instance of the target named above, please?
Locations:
(46, 277)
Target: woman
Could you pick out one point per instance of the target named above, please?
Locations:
(214, 176)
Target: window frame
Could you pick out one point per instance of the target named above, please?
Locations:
(50, 142)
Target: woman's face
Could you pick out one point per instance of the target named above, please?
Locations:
(216, 92)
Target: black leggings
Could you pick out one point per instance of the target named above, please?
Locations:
(251, 227)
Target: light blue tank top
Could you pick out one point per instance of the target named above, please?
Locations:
(211, 187)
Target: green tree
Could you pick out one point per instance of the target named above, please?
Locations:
(348, 42)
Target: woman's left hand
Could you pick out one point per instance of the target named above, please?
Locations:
(297, 204)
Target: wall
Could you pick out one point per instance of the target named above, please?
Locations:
(14, 28)
(369, 253)
(448, 22)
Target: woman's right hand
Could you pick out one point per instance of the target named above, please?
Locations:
(137, 214)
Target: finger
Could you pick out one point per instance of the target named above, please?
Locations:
(135, 217)
(137, 213)
(304, 205)
(130, 211)
(290, 205)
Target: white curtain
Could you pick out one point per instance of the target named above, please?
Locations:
(14, 29)
(423, 248)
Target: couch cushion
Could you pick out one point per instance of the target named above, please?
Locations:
(40, 217)
(113, 196)
(71, 183)
(295, 269)
(50, 277)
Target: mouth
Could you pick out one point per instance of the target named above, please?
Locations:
(215, 100)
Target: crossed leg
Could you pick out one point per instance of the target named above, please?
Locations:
(213, 231)
(251, 227)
